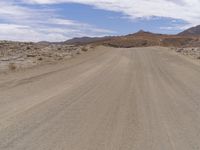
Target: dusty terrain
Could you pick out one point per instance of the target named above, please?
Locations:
(192, 52)
(19, 55)
(107, 99)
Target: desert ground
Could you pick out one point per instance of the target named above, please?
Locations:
(21, 55)
(107, 99)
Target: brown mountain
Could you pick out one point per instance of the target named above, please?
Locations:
(144, 33)
(187, 38)
(194, 31)
(144, 39)
(86, 40)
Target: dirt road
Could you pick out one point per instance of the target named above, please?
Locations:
(108, 99)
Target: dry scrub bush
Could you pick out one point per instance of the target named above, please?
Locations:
(84, 49)
(12, 66)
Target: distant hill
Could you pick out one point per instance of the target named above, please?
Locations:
(140, 38)
(144, 33)
(187, 38)
(194, 31)
(145, 39)
(86, 40)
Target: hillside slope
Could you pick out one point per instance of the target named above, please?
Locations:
(194, 31)
(86, 40)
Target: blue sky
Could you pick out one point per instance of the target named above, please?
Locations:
(59, 20)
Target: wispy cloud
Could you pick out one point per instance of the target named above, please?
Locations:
(23, 23)
(176, 27)
(26, 33)
(187, 10)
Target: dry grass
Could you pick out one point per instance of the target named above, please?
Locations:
(12, 66)
(78, 52)
(84, 49)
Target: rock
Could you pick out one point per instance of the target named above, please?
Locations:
(31, 55)
(179, 50)
(40, 58)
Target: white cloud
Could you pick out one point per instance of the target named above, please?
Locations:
(17, 32)
(176, 27)
(25, 33)
(62, 22)
(187, 10)
(23, 23)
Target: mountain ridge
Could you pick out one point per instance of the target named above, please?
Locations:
(144, 38)
(193, 31)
